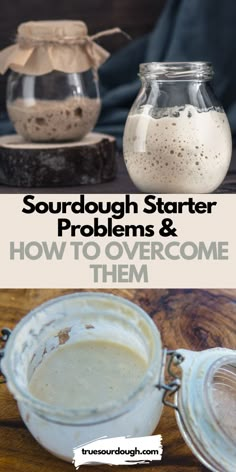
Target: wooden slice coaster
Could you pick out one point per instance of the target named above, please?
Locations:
(89, 161)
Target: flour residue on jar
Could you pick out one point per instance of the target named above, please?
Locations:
(179, 149)
(87, 374)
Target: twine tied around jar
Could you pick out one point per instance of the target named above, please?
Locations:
(65, 46)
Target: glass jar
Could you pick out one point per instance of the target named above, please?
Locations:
(205, 406)
(53, 107)
(112, 318)
(204, 396)
(177, 137)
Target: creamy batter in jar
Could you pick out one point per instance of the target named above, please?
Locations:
(88, 374)
(87, 366)
(177, 138)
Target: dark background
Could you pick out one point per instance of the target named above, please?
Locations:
(136, 17)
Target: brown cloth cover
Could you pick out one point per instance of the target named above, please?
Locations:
(44, 46)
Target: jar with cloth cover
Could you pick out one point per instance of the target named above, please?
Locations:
(52, 91)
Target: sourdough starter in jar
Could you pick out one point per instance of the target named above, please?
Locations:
(54, 120)
(88, 374)
(180, 150)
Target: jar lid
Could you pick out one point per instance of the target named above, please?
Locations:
(62, 30)
(44, 46)
(206, 406)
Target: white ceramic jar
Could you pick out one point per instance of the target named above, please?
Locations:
(206, 386)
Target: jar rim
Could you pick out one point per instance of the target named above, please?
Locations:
(80, 416)
(198, 70)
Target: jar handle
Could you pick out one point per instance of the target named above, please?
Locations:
(173, 386)
(3, 338)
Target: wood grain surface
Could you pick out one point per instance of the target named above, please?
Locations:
(192, 319)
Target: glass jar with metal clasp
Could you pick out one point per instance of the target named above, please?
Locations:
(201, 386)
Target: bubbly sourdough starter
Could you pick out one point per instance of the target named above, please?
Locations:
(186, 151)
(54, 120)
(87, 374)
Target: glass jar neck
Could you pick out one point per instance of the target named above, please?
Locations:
(176, 71)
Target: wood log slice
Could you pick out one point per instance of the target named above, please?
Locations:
(89, 161)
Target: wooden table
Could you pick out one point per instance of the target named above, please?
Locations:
(192, 319)
(121, 184)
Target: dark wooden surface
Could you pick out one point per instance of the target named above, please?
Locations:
(121, 184)
(137, 17)
(91, 160)
(192, 319)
